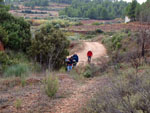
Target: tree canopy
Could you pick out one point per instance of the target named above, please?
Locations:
(97, 9)
(139, 12)
(33, 3)
(49, 47)
(17, 30)
(131, 10)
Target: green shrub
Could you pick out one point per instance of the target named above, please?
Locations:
(91, 32)
(4, 58)
(3, 35)
(108, 23)
(51, 85)
(75, 36)
(4, 61)
(109, 33)
(18, 103)
(78, 24)
(92, 70)
(49, 47)
(88, 72)
(11, 58)
(60, 23)
(76, 75)
(99, 31)
(62, 69)
(23, 81)
(89, 36)
(17, 57)
(96, 23)
(66, 24)
(17, 70)
(16, 32)
(36, 67)
(129, 34)
(127, 30)
(114, 42)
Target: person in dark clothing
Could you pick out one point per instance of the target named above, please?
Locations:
(75, 56)
(69, 62)
(75, 59)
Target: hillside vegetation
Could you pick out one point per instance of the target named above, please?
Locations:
(34, 45)
(96, 9)
(127, 89)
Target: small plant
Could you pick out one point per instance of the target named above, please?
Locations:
(23, 81)
(96, 23)
(78, 24)
(18, 103)
(108, 23)
(51, 85)
(89, 36)
(36, 67)
(62, 70)
(109, 33)
(127, 30)
(99, 31)
(4, 61)
(76, 75)
(88, 72)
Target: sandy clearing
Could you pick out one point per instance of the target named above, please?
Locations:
(97, 48)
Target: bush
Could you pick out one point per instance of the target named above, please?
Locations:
(99, 31)
(108, 23)
(91, 32)
(78, 24)
(17, 31)
(88, 72)
(109, 33)
(127, 30)
(3, 35)
(49, 47)
(76, 75)
(95, 70)
(114, 43)
(18, 103)
(23, 81)
(51, 85)
(4, 58)
(96, 23)
(10, 58)
(36, 67)
(62, 69)
(17, 57)
(4, 61)
(61, 23)
(89, 36)
(18, 70)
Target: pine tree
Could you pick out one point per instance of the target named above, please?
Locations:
(131, 11)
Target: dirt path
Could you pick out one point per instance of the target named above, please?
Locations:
(97, 48)
(80, 96)
(84, 92)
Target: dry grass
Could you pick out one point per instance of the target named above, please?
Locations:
(127, 92)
